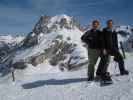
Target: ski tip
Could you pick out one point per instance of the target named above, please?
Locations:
(106, 84)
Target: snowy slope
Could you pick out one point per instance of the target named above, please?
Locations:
(67, 86)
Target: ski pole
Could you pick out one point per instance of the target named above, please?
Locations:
(13, 75)
(122, 48)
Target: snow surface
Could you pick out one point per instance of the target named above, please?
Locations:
(66, 86)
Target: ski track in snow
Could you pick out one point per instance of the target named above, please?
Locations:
(66, 86)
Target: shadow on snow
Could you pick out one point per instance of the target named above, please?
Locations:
(41, 83)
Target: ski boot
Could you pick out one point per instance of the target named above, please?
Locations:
(124, 72)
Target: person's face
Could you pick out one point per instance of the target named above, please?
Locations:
(95, 25)
(110, 24)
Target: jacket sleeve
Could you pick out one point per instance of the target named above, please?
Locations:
(103, 38)
(85, 37)
(116, 40)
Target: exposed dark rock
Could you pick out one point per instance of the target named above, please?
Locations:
(38, 59)
(30, 40)
(19, 65)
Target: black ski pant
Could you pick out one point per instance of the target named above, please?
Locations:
(119, 59)
(105, 59)
(103, 65)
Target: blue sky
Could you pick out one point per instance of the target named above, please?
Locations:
(19, 16)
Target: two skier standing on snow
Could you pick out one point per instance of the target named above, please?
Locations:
(102, 44)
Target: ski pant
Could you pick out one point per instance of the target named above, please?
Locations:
(93, 55)
(117, 57)
(103, 65)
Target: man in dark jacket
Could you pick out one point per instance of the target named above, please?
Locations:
(111, 47)
(93, 38)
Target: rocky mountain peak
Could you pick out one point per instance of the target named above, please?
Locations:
(41, 25)
(47, 24)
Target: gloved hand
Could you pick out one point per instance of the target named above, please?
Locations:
(104, 52)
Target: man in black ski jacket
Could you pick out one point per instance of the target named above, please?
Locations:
(93, 38)
(111, 47)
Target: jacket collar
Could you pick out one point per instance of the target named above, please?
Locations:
(93, 30)
(111, 30)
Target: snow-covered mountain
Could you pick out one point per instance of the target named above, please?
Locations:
(8, 39)
(54, 43)
(8, 43)
(124, 32)
(126, 36)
